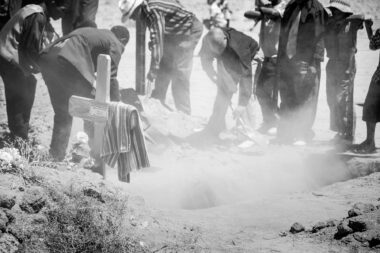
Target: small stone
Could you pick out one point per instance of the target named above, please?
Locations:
(374, 242)
(7, 200)
(348, 240)
(359, 225)
(319, 226)
(3, 221)
(343, 230)
(132, 221)
(33, 200)
(297, 228)
(283, 234)
(9, 244)
(93, 194)
(361, 237)
(360, 209)
(332, 223)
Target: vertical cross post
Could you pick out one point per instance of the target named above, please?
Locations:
(140, 55)
(102, 96)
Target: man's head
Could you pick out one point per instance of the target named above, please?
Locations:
(128, 7)
(122, 33)
(215, 41)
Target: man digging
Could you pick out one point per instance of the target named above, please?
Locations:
(234, 52)
(68, 68)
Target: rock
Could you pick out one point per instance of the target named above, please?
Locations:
(360, 225)
(33, 200)
(297, 228)
(363, 238)
(7, 199)
(332, 223)
(318, 226)
(9, 244)
(374, 242)
(3, 221)
(360, 209)
(343, 230)
(93, 194)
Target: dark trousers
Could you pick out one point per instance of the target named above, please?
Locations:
(266, 89)
(20, 90)
(80, 11)
(217, 121)
(176, 66)
(64, 81)
(340, 96)
(299, 87)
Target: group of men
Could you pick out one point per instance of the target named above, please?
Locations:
(293, 37)
(29, 45)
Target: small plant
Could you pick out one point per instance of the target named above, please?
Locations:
(83, 224)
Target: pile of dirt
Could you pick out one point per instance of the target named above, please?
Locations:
(360, 230)
(52, 207)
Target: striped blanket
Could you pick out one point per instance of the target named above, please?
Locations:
(123, 141)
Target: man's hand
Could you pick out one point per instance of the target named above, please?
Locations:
(238, 112)
(151, 76)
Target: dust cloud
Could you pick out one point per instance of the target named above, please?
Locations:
(186, 177)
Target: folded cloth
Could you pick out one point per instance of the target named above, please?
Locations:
(123, 141)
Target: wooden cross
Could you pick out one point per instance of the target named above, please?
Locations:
(140, 55)
(96, 111)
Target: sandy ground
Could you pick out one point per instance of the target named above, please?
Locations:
(227, 199)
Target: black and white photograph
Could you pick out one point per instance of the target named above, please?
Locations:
(165, 126)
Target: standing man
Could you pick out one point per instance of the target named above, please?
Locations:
(77, 13)
(340, 41)
(68, 67)
(174, 34)
(234, 52)
(301, 50)
(21, 40)
(266, 90)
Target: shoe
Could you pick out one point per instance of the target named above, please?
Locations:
(265, 128)
(299, 143)
(363, 148)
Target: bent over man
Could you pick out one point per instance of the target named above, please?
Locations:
(68, 67)
(21, 40)
(174, 34)
(234, 52)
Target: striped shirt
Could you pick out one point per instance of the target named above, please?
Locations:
(165, 17)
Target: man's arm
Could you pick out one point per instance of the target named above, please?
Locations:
(207, 65)
(156, 26)
(31, 41)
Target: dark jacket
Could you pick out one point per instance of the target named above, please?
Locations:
(237, 59)
(310, 44)
(81, 49)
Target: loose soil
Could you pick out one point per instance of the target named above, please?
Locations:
(217, 197)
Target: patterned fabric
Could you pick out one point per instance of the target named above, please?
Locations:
(165, 17)
(123, 142)
(374, 43)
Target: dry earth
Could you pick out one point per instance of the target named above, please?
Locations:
(220, 198)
